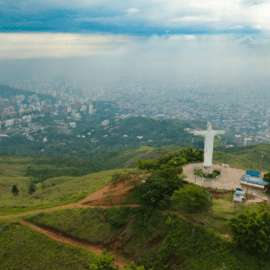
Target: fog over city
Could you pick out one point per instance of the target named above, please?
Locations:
(154, 58)
(95, 59)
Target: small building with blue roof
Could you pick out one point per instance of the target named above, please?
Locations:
(252, 179)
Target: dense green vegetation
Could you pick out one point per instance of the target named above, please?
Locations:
(251, 231)
(157, 189)
(173, 161)
(191, 198)
(90, 138)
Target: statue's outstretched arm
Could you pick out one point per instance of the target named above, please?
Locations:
(202, 133)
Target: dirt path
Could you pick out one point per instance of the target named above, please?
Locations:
(64, 239)
(112, 188)
(96, 198)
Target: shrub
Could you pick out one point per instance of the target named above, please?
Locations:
(251, 230)
(103, 262)
(32, 188)
(266, 177)
(117, 216)
(133, 266)
(158, 188)
(15, 190)
(120, 175)
(200, 174)
(191, 198)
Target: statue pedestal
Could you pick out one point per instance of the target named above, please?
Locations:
(207, 169)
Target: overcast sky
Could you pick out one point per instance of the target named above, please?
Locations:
(163, 39)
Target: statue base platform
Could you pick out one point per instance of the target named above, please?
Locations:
(207, 169)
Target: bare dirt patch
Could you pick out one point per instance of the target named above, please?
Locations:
(115, 193)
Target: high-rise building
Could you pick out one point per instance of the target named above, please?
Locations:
(237, 129)
(72, 124)
(44, 108)
(76, 106)
(62, 129)
(91, 108)
(238, 139)
(64, 111)
(9, 122)
(247, 141)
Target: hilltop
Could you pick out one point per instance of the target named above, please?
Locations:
(7, 92)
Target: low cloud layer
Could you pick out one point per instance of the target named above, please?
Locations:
(103, 58)
(56, 45)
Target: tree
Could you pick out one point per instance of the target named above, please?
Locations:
(191, 198)
(251, 230)
(133, 266)
(15, 190)
(32, 188)
(103, 261)
(158, 188)
(266, 177)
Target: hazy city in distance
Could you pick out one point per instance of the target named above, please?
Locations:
(160, 59)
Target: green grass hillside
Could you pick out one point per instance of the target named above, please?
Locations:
(246, 157)
(156, 239)
(37, 251)
(52, 192)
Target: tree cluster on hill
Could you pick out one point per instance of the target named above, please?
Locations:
(165, 184)
(172, 161)
(251, 231)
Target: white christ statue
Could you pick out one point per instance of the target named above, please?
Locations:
(209, 135)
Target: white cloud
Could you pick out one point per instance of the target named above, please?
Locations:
(132, 10)
(171, 14)
(182, 37)
(194, 19)
(55, 45)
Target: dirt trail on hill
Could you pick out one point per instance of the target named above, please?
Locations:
(117, 189)
(92, 200)
(64, 239)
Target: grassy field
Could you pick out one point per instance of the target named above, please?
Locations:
(152, 238)
(37, 251)
(52, 192)
(14, 167)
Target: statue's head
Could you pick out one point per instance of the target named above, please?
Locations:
(209, 126)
